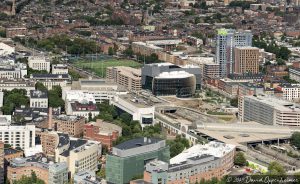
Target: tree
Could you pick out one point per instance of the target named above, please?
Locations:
(111, 51)
(30, 180)
(101, 173)
(104, 149)
(239, 159)
(280, 61)
(54, 98)
(126, 118)
(90, 117)
(14, 98)
(295, 139)
(40, 86)
(177, 145)
(57, 90)
(276, 169)
(234, 102)
(128, 52)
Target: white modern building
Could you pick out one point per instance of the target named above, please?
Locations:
(101, 89)
(139, 108)
(18, 136)
(39, 63)
(38, 99)
(59, 69)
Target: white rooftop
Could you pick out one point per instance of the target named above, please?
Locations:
(6, 49)
(79, 96)
(174, 74)
(216, 149)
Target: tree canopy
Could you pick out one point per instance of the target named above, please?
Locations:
(240, 159)
(276, 169)
(177, 145)
(54, 97)
(29, 180)
(14, 98)
(295, 139)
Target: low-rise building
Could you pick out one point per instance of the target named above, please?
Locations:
(38, 99)
(12, 32)
(38, 164)
(76, 99)
(141, 109)
(10, 153)
(212, 160)
(99, 88)
(290, 92)
(13, 72)
(72, 125)
(58, 173)
(39, 63)
(59, 69)
(10, 84)
(102, 132)
(50, 80)
(87, 110)
(86, 177)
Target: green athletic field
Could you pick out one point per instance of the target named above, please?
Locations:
(99, 67)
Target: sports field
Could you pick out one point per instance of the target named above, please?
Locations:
(99, 67)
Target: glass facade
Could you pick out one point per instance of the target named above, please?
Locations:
(121, 170)
(181, 87)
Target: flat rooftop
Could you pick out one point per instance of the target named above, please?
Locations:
(174, 75)
(276, 103)
(130, 72)
(213, 148)
(38, 94)
(138, 142)
(138, 101)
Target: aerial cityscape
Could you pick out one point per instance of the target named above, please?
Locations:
(149, 91)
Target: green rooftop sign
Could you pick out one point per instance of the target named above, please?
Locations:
(222, 32)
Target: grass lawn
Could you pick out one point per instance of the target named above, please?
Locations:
(99, 67)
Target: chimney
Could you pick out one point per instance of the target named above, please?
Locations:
(50, 118)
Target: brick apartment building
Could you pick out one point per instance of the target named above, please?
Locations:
(103, 132)
(72, 125)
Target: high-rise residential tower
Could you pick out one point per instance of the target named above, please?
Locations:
(226, 41)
